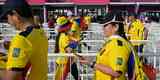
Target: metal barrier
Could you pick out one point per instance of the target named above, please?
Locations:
(94, 39)
(86, 73)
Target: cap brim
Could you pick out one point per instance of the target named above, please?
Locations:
(111, 22)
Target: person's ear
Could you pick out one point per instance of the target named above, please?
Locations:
(16, 16)
(116, 27)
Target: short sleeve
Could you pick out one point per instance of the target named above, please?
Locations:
(19, 52)
(119, 56)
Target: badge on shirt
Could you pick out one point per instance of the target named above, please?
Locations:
(119, 61)
(16, 52)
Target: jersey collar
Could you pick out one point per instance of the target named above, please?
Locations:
(114, 36)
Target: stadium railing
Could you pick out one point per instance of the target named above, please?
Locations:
(93, 39)
(85, 72)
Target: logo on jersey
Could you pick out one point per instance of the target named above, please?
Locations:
(119, 61)
(16, 52)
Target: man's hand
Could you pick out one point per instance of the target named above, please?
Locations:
(6, 44)
(14, 75)
(84, 60)
(69, 50)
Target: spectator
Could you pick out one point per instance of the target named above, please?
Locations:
(136, 31)
(28, 50)
(112, 60)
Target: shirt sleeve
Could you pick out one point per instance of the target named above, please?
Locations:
(116, 56)
(19, 53)
(119, 55)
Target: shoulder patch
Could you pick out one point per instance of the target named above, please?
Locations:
(120, 43)
(27, 32)
(119, 61)
(16, 52)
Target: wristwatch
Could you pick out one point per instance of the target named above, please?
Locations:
(92, 64)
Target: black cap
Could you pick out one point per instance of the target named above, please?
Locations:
(21, 5)
(113, 17)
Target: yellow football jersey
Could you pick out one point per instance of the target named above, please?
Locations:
(29, 47)
(63, 43)
(136, 31)
(87, 20)
(2, 64)
(3, 57)
(114, 54)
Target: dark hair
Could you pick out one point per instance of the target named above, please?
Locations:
(120, 31)
(153, 18)
(133, 14)
(24, 12)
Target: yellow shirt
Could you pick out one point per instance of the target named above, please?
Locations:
(2, 63)
(114, 54)
(87, 20)
(30, 47)
(63, 43)
(136, 31)
(3, 57)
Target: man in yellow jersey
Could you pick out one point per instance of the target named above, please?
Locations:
(27, 55)
(136, 31)
(112, 59)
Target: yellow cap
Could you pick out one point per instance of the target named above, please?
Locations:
(62, 20)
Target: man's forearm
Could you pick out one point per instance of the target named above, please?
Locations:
(14, 75)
